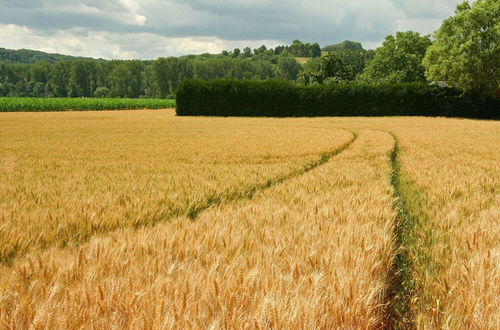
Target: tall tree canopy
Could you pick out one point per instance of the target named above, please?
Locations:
(288, 68)
(466, 52)
(398, 60)
(329, 69)
(343, 46)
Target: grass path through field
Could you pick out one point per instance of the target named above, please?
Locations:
(400, 291)
(194, 210)
(448, 181)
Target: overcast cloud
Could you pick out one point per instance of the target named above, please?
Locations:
(148, 29)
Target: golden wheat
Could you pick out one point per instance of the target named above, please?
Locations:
(451, 175)
(454, 167)
(313, 252)
(66, 176)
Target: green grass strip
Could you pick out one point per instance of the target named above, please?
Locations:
(413, 263)
(401, 290)
(20, 104)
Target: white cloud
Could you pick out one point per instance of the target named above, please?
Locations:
(133, 11)
(151, 28)
(107, 45)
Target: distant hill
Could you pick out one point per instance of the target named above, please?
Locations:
(32, 56)
(345, 45)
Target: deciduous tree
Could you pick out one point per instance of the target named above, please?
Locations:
(398, 60)
(466, 52)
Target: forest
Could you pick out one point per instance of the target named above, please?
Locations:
(26, 73)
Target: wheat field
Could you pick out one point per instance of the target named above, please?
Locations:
(68, 176)
(140, 219)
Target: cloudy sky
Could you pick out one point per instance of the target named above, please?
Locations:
(148, 29)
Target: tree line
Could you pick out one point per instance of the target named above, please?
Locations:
(152, 79)
(33, 56)
(129, 78)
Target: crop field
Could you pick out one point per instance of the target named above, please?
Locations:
(16, 104)
(141, 219)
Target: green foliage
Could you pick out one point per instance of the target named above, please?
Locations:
(101, 92)
(282, 99)
(334, 68)
(16, 104)
(33, 56)
(159, 78)
(133, 78)
(315, 50)
(313, 73)
(247, 52)
(288, 68)
(236, 52)
(356, 59)
(398, 60)
(329, 69)
(125, 80)
(300, 49)
(466, 50)
(343, 46)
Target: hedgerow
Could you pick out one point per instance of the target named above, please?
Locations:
(281, 99)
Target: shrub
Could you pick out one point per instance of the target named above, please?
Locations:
(101, 92)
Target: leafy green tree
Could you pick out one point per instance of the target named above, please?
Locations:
(33, 56)
(236, 52)
(296, 48)
(261, 50)
(356, 59)
(101, 92)
(335, 69)
(330, 69)
(38, 89)
(149, 85)
(59, 79)
(278, 50)
(39, 72)
(398, 60)
(21, 88)
(119, 80)
(164, 71)
(184, 70)
(7, 89)
(242, 69)
(312, 73)
(135, 67)
(288, 68)
(315, 50)
(466, 50)
(7, 79)
(247, 51)
(78, 80)
(212, 68)
(264, 70)
(345, 45)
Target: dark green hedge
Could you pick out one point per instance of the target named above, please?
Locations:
(281, 99)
